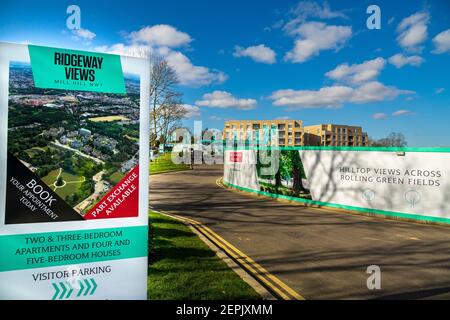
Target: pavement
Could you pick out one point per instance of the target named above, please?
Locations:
(98, 189)
(322, 254)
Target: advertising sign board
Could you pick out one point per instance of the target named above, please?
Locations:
(74, 146)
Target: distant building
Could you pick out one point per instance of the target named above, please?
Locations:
(52, 105)
(293, 133)
(108, 143)
(84, 132)
(72, 134)
(289, 131)
(335, 135)
(53, 132)
(87, 149)
(70, 99)
(128, 165)
(76, 144)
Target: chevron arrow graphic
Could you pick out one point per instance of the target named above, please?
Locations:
(64, 290)
(80, 282)
(70, 291)
(88, 285)
(55, 286)
(95, 286)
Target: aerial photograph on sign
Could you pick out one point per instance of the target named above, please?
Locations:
(79, 143)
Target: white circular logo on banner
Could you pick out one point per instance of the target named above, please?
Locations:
(368, 194)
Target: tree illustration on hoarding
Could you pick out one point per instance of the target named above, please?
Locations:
(291, 167)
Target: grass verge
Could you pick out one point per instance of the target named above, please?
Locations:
(183, 267)
(164, 164)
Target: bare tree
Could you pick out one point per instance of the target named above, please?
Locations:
(394, 139)
(166, 104)
(172, 112)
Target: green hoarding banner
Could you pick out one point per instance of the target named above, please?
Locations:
(76, 70)
(39, 250)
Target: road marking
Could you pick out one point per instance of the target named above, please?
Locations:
(271, 282)
(237, 257)
(263, 271)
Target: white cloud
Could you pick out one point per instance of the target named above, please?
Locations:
(357, 73)
(188, 73)
(310, 9)
(259, 53)
(401, 112)
(335, 96)
(442, 42)
(160, 40)
(282, 118)
(313, 37)
(161, 35)
(84, 34)
(223, 100)
(191, 75)
(440, 90)
(379, 116)
(325, 97)
(399, 60)
(191, 111)
(375, 91)
(413, 30)
(215, 118)
(133, 50)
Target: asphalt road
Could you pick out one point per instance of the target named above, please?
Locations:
(319, 253)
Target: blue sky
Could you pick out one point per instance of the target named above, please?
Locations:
(310, 60)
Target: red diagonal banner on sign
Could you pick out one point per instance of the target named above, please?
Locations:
(122, 201)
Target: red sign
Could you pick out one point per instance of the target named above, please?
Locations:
(122, 201)
(236, 156)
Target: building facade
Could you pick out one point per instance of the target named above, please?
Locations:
(290, 132)
(335, 135)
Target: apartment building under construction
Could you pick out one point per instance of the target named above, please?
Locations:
(292, 133)
(334, 135)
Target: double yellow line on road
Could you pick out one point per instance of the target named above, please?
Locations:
(264, 277)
